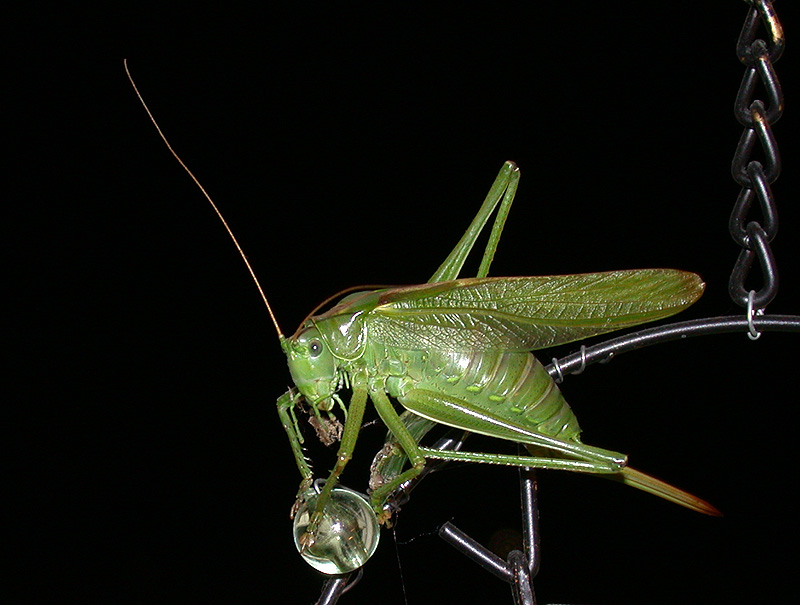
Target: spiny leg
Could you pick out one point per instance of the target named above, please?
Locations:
(500, 219)
(561, 464)
(462, 414)
(504, 187)
(440, 408)
(587, 459)
(286, 404)
(567, 454)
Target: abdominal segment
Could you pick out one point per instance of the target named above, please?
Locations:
(513, 385)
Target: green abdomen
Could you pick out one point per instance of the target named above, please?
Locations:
(511, 385)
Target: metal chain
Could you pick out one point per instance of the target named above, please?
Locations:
(756, 176)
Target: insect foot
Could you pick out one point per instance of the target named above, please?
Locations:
(343, 538)
(303, 493)
(385, 517)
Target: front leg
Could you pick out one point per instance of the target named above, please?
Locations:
(286, 404)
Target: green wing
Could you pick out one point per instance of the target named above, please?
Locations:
(527, 313)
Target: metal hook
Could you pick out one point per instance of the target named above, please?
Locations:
(583, 362)
(752, 333)
(559, 374)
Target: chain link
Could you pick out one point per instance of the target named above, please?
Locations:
(756, 176)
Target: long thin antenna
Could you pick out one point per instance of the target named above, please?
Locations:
(210, 201)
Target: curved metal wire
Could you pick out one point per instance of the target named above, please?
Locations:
(605, 351)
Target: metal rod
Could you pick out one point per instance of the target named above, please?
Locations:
(335, 586)
(604, 351)
(528, 490)
(475, 551)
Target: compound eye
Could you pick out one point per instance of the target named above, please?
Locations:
(314, 347)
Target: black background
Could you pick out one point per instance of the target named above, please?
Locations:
(350, 145)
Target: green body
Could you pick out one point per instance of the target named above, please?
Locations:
(457, 352)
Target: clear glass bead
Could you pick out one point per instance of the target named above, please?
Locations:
(346, 537)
